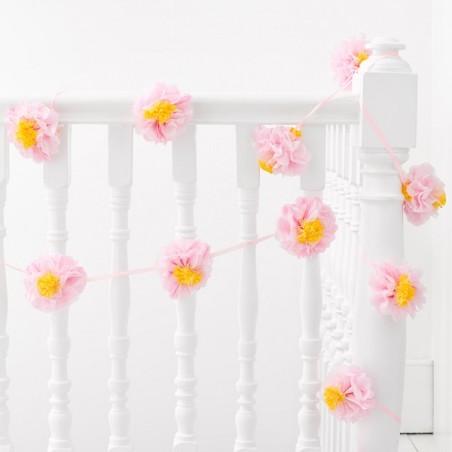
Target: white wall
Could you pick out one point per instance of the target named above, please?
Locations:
(201, 46)
(442, 283)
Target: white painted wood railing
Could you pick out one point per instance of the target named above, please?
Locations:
(338, 323)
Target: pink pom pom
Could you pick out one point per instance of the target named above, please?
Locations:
(53, 282)
(424, 194)
(162, 113)
(185, 266)
(397, 290)
(348, 393)
(34, 129)
(348, 57)
(281, 150)
(306, 228)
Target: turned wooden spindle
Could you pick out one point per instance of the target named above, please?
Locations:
(185, 338)
(248, 195)
(312, 184)
(57, 180)
(120, 140)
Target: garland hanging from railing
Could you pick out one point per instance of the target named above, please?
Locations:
(305, 228)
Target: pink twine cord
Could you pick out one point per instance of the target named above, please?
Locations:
(11, 266)
(152, 269)
(323, 102)
(121, 274)
(242, 245)
(56, 96)
(387, 411)
(384, 141)
(330, 97)
(368, 259)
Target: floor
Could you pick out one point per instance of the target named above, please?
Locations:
(426, 443)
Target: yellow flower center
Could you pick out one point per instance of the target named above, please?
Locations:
(362, 56)
(48, 284)
(333, 396)
(405, 191)
(404, 291)
(161, 111)
(266, 166)
(296, 132)
(310, 232)
(26, 132)
(441, 201)
(187, 276)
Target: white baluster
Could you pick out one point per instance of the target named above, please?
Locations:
(379, 340)
(348, 257)
(340, 247)
(248, 185)
(354, 230)
(341, 264)
(333, 250)
(326, 285)
(120, 176)
(5, 442)
(57, 179)
(312, 184)
(185, 339)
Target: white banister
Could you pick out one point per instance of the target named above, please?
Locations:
(312, 184)
(185, 338)
(5, 442)
(57, 180)
(379, 346)
(248, 194)
(105, 107)
(120, 140)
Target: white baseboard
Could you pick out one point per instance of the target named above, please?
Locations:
(417, 413)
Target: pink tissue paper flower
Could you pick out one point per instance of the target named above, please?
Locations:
(423, 192)
(162, 112)
(348, 57)
(34, 129)
(397, 290)
(306, 228)
(281, 150)
(185, 266)
(53, 282)
(348, 393)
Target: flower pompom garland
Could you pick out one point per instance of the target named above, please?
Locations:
(53, 282)
(281, 150)
(185, 266)
(348, 393)
(423, 192)
(306, 228)
(397, 290)
(35, 130)
(348, 57)
(162, 112)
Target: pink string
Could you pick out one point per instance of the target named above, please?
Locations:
(120, 274)
(323, 102)
(242, 245)
(152, 269)
(387, 411)
(384, 141)
(11, 266)
(56, 96)
(329, 98)
(368, 259)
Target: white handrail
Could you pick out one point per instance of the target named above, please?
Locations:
(209, 108)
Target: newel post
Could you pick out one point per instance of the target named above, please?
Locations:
(388, 92)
